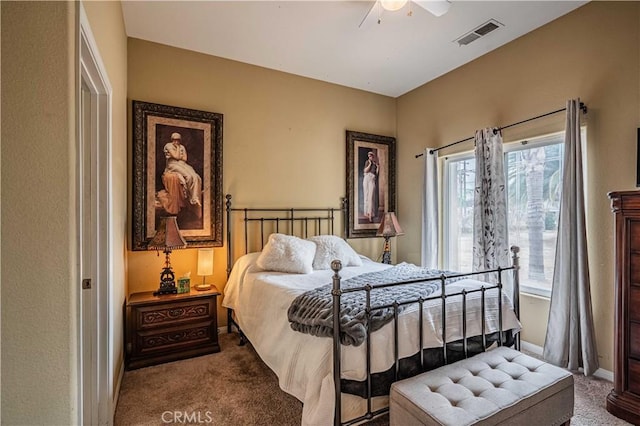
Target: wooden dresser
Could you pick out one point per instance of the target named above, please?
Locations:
(624, 399)
(170, 327)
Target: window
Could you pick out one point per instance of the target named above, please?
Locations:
(533, 171)
(460, 175)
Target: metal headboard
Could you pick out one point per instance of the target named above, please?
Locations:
(301, 222)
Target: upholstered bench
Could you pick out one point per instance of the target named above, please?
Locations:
(501, 386)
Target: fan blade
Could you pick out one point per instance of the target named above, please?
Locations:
(369, 13)
(436, 7)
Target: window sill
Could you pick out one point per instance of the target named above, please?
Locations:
(535, 291)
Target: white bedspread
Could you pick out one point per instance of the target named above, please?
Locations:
(303, 363)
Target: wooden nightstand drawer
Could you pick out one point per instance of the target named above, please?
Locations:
(174, 338)
(168, 314)
(170, 327)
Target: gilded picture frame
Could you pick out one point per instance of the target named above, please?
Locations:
(371, 182)
(177, 171)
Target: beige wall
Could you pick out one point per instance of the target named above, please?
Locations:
(107, 26)
(591, 53)
(284, 136)
(39, 301)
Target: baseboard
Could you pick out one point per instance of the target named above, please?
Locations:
(222, 330)
(604, 374)
(116, 391)
(531, 347)
(600, 372)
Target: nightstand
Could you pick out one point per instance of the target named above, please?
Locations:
(170, 327)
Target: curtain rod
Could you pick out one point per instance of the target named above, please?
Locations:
(583, 108)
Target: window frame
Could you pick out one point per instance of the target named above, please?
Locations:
(508, 147)
(446, 221)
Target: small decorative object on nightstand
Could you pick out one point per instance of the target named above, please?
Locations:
(170, 327)
(205, 266)
(389, 227)
(167, 238)
(184, 284)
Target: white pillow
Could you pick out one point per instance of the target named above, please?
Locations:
(331, 247)
(286, 253)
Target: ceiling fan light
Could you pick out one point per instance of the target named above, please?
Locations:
(393, 5)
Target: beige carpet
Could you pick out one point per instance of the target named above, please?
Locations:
(234, 387)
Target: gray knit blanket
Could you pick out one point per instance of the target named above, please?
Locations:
(312, 311)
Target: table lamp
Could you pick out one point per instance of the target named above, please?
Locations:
(167, 238)
(205, 266)
(389, 227)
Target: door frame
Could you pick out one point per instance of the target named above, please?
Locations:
(92, 73)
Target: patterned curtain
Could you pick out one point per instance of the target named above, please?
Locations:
(490, 242)
(430, 210)
(570, 341)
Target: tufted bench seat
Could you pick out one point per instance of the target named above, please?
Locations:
(501, 386)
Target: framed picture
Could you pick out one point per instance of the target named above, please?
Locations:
(177, 171)
(371, 182)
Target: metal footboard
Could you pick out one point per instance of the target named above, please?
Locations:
(337, 292)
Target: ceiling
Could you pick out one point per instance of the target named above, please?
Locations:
(324, 40)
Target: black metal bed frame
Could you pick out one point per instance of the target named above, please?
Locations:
(288, 217)
(307, 218)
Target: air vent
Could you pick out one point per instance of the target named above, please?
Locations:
(468, 39)
(478, 32)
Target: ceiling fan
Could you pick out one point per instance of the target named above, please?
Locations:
(436, 7)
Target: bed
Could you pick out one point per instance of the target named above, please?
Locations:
(339, 379)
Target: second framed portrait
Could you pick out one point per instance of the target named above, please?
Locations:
(371, 181)
(177, 171)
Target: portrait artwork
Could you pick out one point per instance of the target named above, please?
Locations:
(370, 182)
(177, 172)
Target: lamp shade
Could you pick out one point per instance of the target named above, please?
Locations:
(205, 261)
(389, 227)
(167, 235)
